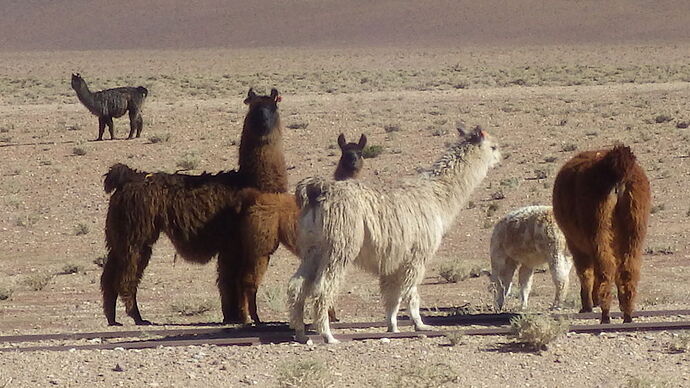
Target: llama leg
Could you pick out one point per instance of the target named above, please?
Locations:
(525, 277)
(585, 272)
(299, 288)
(413, 307)
(133, 125)
(502, 270)
(392, 296)
(133, 309)
(252, 278)
(560, 274)
(140, 124)
(326, 284)
(111, 127)
(228, 282)
(604, 269)
(109, 280)
(101, 127)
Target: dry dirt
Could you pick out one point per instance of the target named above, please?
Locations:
(543, 104)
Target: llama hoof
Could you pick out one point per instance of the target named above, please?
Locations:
(331, 340)
(143, 322)
(393, 330)
(605, 320)
(586, 310)
(114, 323)
(424, 327)
(302, 338)
(627, 319)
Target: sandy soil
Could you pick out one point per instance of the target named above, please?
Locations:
(543, 104)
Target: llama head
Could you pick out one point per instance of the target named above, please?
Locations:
(485, 143)
(76, 80)
(263, 116)
(351, 162)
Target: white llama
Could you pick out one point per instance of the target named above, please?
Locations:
(528, 237)
(390, 233)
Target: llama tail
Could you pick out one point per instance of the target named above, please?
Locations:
(309, 191)
(119, 175)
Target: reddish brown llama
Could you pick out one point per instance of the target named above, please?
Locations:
(271, 219)
(200, 214)
(601, 201)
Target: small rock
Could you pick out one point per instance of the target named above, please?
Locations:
(385, 340)
(118, 368)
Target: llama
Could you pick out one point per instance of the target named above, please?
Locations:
(200, 214)
(389, 233)
(351, 161)
(110, 103)
(271, 219)
(528, 237)
(601, 201)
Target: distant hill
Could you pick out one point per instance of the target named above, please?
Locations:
(128, 24)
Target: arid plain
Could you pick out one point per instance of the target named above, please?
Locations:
(542, 102)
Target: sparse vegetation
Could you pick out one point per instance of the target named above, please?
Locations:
(78, 151)
(537, 331)
(426, 376)
(160, 138)
(5, 293)
(657, 208)
(662, 118)
(304, 373)
(190, 307)
(454, 271)
(81, 229)
(391, 128)
(680, 342)
(659, 250)
(456, 337)
(298, 125)
(71, 268)
(512, 182)
(189, 161)
(38, 280)
(100, 261)
(274, 297)
(372, 151)
(569, 147)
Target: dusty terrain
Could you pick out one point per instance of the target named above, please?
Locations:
(545, 84)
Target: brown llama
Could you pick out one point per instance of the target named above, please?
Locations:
(271, 219)
(110, 103)
(350, 163)
(200, 214)
(601, 201)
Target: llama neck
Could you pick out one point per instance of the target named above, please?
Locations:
(84, 94)
(455, 177)
(262, 163)
(341, 173)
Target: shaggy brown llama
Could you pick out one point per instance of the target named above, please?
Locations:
(200, 214)
(110, 103)
(271, 219)
(601, 201)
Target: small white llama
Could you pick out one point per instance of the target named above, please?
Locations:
(391, 233)
(527, 238)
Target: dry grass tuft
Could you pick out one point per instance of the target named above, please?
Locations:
(189, 307)
(304, 373)
(38, 281)
(538, 331)
(456, 271)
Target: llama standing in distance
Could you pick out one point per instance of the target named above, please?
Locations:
(351, 161)
(271, 219)
(527, 238)
(201, 214)
(110, 103)
(601, 201)
(389, 233)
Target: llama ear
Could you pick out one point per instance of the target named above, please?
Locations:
(362, 141)
(341, 141)
(250, 96)
(275, 95)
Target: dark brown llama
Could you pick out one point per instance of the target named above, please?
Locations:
(201, 214)
(110, 103)
(272, 220)
(350, 163)
(601, 201)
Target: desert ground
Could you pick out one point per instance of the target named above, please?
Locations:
(545, 85)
